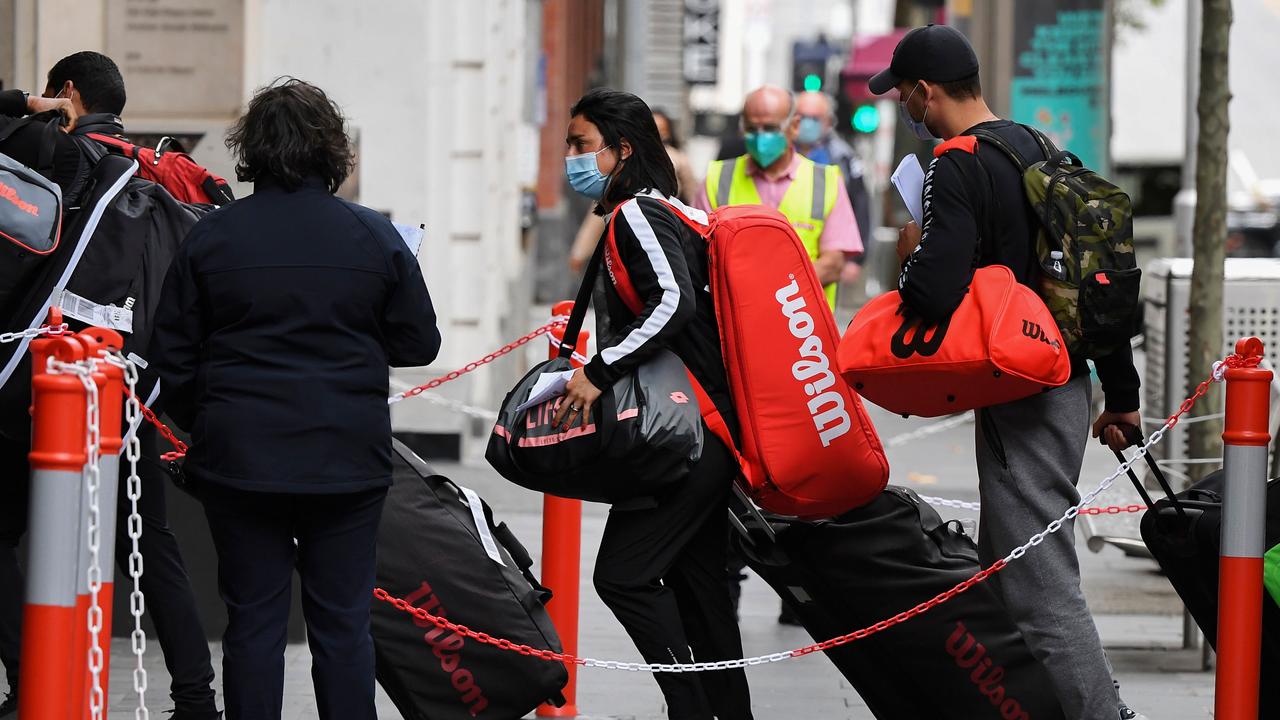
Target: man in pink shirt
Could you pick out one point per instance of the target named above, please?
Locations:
(772, 173)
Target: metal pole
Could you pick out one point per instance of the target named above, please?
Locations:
(1244, 521)
(51, 670)
(562, 554)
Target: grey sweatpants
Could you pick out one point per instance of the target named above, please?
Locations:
(1029, 458)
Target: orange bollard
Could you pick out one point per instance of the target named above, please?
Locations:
(51, 670)
(1244, 521)
(562, 553)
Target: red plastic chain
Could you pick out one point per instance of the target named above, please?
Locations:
(980, 576)
(180, 448)
(505, 349)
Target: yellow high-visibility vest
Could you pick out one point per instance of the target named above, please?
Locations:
(807, 203)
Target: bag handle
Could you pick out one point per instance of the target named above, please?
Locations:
(569, 341)
(1133, 434)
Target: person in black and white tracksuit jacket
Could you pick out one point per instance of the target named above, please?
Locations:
(661, 562)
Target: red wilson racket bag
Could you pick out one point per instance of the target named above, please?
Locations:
(808, 448)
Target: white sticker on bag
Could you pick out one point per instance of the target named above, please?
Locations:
(88, 311)
(482, 525)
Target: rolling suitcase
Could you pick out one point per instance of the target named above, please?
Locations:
(1183, 532)
(961, 659)
(439, 548)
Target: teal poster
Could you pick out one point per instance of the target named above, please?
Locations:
(1060, 75)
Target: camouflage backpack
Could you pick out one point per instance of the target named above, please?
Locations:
(1089, 273)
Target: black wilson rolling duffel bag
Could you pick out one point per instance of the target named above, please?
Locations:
(439, 549)
(962, 659)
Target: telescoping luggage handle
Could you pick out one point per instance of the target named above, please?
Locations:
(1134, 436)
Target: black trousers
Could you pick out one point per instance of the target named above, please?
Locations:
(170, 601)
(661, 570)
(261, 538)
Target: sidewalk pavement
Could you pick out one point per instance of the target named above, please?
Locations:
(1137, 612)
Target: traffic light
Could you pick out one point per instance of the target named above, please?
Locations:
(865, 119)
(809, 63)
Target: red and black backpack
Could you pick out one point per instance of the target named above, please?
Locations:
(168, 165)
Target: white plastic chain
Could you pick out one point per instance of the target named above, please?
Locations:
(133, 489)
(92, 483)
(1016, 554)
(930, 429)
(33, 333)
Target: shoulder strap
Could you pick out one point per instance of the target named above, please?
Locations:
(569, 340)
(48, 138)
(999, 143)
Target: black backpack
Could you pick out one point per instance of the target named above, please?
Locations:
(117, 244)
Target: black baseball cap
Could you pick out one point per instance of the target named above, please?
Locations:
(936, 53)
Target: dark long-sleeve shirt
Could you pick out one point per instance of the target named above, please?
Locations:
(976, 214)
(276, 326)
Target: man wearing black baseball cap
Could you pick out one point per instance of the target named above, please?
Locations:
(1029, 451)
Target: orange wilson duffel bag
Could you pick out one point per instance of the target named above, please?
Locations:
(1000, 345)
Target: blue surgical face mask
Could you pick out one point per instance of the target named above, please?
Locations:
(766, 147)
(584, 174)
(810, 131)
(918, 128)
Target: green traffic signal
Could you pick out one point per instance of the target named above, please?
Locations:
(866, 119)
(812, 82)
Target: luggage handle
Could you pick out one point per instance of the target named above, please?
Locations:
(1133, 435)
(745, 500)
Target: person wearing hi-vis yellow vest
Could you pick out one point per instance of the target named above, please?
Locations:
(772, 173)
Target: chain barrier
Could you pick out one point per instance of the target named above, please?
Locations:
(930, 429)
(1016, 554)
(504, 350)
(133, 414)
(60, 329)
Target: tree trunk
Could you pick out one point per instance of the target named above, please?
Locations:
(1209, 232)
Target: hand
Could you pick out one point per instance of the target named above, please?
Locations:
(37, 104)
(1107, 428)
(850, 273)
(579, 396)
(908, 240)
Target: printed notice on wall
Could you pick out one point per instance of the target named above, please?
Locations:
(180, 58)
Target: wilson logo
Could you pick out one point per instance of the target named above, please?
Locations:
(826, 406)
(447, 648)
(8, 193)
(1035, 332)
(986, 676)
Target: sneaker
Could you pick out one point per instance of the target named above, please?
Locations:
(9, 708)
(1128, 714)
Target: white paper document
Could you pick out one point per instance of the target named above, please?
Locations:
(549, 385)
(411, 235)
(909, 179)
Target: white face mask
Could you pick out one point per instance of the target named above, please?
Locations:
(918, 128)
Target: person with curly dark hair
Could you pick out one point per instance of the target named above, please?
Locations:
(277, 322)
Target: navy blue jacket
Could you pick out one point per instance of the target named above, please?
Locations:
(278, 320)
